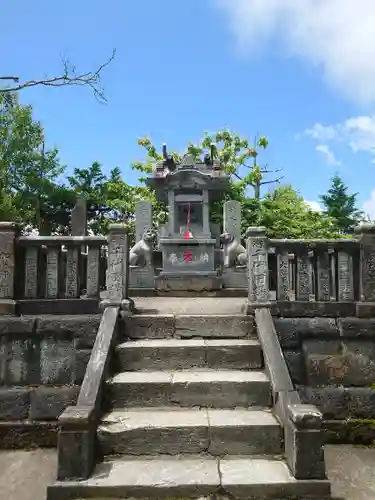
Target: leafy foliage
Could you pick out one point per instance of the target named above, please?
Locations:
(341, 206)
(35, 189)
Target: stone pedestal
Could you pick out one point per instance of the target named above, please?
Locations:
(141, 277)
(188, 265)
(235, 277)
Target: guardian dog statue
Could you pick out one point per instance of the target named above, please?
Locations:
(141, 253)
(234, 253)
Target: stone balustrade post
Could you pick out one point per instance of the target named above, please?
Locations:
(304, 442)
(366, 238)
(118, 268)
(257, 268)
(8, 233)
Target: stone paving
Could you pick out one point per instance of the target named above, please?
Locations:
(25, 474)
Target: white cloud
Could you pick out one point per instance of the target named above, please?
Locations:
(329, 154)
(336, 35)
(369, 206)
(314, 206)
(358, 133)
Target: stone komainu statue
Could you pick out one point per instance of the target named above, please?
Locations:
(141, 253)
(234, 253)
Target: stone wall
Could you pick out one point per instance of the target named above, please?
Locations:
(332, 363)
(42, 364)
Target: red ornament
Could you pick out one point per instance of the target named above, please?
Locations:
(188, 257)
(188, 234)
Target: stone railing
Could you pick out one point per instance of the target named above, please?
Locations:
(55, 268)
(58, 274)
(321, 331)
(301, 423)
(325, 276)
(316, 270)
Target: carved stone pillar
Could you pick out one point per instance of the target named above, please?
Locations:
(118, 268)
(8, 232)
(257, 268)
(366, 238)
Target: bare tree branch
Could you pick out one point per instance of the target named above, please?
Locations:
(68, 78)
(271, 182)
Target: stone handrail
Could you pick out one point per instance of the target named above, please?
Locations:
(78, 424)
(302, 423)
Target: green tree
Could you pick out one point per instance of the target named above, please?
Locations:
(239, 160)
(28, 171)
(341, 206)
(109, 198)
(285, 214)
(237, 155)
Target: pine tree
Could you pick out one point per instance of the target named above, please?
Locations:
(341, 206)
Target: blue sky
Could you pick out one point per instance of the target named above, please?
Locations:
(301, 73)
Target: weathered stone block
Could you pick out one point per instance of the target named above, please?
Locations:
(321, 346)
(81, 360)
(10, 325)
(150, 326)
(305, 453)
(365, 309)
(243, 432)
(287, 332)
(85, 342)
(296, 366)
(292, 330)
(14, 403)
(56, 361)
(47, 403)
(331, 401)
(214, 326)
(75, 454)
(141, 277)
(234, 354)
(14, 361)
(171, 354)
(291, 309)
(122, 394)
(351, 366)
(78, 326)
(24, 435)
(323, 362)
(361, 402)
(356, 327)
(167, 432)
(221, 389)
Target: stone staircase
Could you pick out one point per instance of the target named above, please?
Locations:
(190, 417)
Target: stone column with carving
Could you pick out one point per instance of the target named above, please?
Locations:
(8, 233)
(232, 219)
(118, 268)
(257, 268)
(366, 238)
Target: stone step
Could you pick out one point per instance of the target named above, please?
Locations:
(162, 326)
(173, 431)
(177, 354)
(186, 477)
(196, 387)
